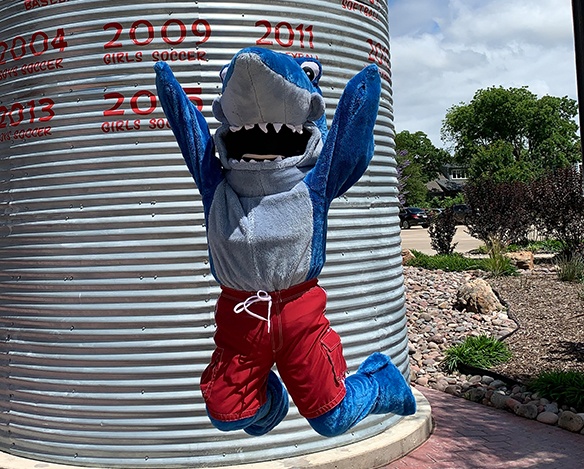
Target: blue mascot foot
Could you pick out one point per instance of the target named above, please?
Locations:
(361, 396)
(273, 411)
(377, 387)
(395, 394)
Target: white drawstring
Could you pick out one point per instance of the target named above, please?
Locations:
(261, 295)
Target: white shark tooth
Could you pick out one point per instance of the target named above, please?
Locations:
(249, 126)
(233, 161)
(299, 129)
(264, 127)
(235, 128)
(277, 127)
(278, 158)
(291, 127)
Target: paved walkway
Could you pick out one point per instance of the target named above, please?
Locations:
(470, 435)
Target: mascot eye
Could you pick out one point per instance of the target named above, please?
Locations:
(311, 69)
(309, 73)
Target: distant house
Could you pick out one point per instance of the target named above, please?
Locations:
(449, 182)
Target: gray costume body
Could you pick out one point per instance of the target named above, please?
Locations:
(261, 221)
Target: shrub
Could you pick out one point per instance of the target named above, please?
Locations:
(447, 201)
(542, 246)
(570, 269)
(442, 230)
(456, 262)
(501, 211)
(479, 351)
(497, 263)
(499, 266)
(450, 263)
(564, 387)
(558, 206)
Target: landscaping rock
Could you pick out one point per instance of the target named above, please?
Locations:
(407, 256)
(527, 410)
(549, 418)
(451, 389)
(570, 421)
(422, 381)
(487, 380)
(513, 404)
(499, 400)
(477, 296)
(432, 330)
(496, 384)
(551, 407)
(522, 260)
(475, 394)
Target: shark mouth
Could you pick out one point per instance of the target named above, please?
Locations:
(267, 141)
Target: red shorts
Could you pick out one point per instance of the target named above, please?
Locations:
(300, 342)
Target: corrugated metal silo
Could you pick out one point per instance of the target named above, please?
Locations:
(106, 298)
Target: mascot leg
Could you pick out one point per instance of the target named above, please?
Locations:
(273, 411)
(377, 387)
(267, 417)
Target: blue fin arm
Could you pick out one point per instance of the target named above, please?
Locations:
(348, 148)
(191, 131)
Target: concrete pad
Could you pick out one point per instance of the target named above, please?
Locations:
(377, 451)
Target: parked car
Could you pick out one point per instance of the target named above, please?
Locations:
(413, 216)
(461, 213)
(434, 212)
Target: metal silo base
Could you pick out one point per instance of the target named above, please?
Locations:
(381, 449)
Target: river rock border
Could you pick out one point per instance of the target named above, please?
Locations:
(434, 325)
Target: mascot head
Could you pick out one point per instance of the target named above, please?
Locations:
(270, 108)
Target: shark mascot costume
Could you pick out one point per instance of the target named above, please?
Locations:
(266, 200)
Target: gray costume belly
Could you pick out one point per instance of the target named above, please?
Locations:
(261, 242)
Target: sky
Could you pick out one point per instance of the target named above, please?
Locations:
(443, 51)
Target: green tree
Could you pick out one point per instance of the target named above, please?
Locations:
(511, 134)
(419, 162)
(422, 152)
(413, 191)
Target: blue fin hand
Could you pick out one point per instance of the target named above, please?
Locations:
(191, 131)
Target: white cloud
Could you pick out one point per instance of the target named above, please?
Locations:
(498, 22)
(444, 51)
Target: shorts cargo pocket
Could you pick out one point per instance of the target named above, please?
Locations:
(333, 350)
(210, 374)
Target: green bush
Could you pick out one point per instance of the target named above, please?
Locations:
(564, 387)
(479, 351)
(446, 202)
(543, 246)
(497, 263)
(451, 262)
(456, 262)
(570, 269)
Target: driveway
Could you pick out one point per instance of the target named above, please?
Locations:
(417, 238)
